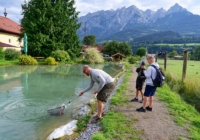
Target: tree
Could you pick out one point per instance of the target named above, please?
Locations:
(197, 53)
(114, 47)
(141, 51)
(172, 54)
(89, 40)
(50, 25)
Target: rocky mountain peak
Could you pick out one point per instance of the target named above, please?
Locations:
(175, 9)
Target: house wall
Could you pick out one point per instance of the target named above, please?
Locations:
(10, 39)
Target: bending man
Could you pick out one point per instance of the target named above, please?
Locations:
(106, 85)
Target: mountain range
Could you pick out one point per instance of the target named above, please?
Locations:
(126, 24)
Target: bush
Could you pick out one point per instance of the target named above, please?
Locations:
(50, 61)
(2, 55)
(132, 60)
(11, 54)
(92, 56)
(60, 55)
(27, 60)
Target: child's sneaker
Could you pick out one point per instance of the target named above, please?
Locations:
(141, 101)
(148, 108)
(141, 109)
(134, 100)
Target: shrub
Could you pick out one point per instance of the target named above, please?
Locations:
(2, 55)
(11, 54)
(27, 60)
(50, 61)
(92, 56)
(60, 55)
(132, 60)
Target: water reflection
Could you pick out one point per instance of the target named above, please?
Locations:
(27, 92)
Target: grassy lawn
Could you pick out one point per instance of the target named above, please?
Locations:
(175, 67)
(6, 62)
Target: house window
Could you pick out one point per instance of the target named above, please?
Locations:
(9, 40)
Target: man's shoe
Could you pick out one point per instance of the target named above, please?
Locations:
(96, 120)
(141, 109)
(134, 100)
(148, 108)
(141, 101)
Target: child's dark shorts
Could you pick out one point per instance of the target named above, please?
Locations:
(139, 86)
(105, 92)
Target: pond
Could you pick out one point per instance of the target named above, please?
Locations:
(27, 92)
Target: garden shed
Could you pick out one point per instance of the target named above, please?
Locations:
(118, 57)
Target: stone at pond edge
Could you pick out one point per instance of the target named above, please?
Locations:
(81, 112)
(67, 129)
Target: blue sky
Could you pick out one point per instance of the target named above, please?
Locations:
(13, 7)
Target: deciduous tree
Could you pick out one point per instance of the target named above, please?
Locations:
(141, 51)
(114, 47)
(89, 40)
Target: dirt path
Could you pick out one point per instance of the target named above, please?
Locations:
(155, 125)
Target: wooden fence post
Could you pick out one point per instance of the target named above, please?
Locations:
(156, 56)
(185, 58)
(165, 61)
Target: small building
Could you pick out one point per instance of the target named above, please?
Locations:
(118, 57)
(9, 33)
(178, 57)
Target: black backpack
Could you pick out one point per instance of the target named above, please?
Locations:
(159, 79)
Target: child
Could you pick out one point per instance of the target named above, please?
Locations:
(140, 81)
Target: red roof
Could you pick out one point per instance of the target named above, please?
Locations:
(5, 45)
(99, 48)
(7, 25)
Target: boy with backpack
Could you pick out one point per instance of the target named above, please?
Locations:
(153, 81)
(140, 81)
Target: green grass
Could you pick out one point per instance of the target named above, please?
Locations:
(187, 44)
(82, 123)
(184, 115)
(116, 126)
(6, 62)
(189, 89)
(175, 67)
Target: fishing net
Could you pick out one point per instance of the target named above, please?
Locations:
(58, 111)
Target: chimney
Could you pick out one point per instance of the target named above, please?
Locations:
(5, 13)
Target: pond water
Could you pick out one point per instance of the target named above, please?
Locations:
(27, 92)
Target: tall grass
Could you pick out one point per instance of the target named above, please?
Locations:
(189, 89)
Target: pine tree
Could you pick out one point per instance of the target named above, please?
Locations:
(50, 25)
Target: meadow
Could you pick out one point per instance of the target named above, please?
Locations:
(187, 44)
(189, 89)
(175, 68)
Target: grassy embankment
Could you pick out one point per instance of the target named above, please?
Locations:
(117, 126)
(190, 88)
